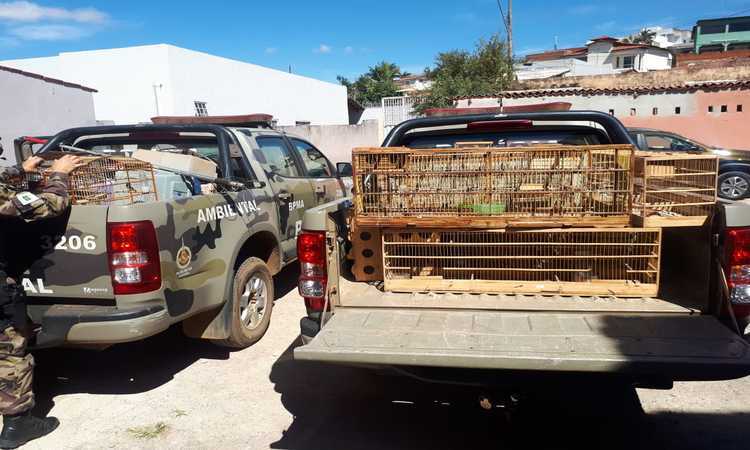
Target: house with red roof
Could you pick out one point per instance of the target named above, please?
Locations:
(601, 56)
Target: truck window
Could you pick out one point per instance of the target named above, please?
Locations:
(315, 162)
(275, 157)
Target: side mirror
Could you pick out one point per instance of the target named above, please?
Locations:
(344, 169)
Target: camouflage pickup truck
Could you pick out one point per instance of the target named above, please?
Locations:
(693, 329)
(105, 274)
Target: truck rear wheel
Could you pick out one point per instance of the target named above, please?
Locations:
(252, 304)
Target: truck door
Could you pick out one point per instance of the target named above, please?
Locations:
(320, 171)
(292, 191)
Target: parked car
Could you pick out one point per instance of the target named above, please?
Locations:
(692, 331)
(734, 165)
(202, 253)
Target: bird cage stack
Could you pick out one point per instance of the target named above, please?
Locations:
(108, 180)
(674, 189)
(542, 219)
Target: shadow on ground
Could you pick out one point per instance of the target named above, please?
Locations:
(128, 368)
(336, 407)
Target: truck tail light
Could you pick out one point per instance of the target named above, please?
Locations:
(737, 269)
(133, 252)
(313, 278)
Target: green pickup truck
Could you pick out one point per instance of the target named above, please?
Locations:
(202, 253)
(692, 330)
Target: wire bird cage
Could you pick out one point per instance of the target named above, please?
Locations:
(582, 261)
(107, 180)
(493, 186)
(674, 189)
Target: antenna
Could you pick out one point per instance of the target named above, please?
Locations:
(555, 42)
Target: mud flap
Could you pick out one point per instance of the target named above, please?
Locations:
(678, 346)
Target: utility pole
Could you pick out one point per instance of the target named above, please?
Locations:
(510, 29)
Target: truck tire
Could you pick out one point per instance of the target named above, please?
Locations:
(252, 304)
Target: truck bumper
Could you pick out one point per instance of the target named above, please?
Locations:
(671, 346)
(83, 324)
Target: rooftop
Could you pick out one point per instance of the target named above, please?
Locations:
(46, 79)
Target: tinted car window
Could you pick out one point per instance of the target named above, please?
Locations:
(507, 139)
(665, 142)
(315, 162)
(274, 156)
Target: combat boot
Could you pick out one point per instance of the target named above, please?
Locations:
(22, 428)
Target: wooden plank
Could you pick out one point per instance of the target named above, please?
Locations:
(672, 221)
(469, 222)
(522, 287)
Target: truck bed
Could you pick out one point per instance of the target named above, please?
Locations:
(369, 295)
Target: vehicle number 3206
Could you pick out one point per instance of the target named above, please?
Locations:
(75, 242)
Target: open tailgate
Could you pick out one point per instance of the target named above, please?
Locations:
(678, 346)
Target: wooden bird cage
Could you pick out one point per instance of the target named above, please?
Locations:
(582, 261)
(674, 189)
(484, 187)
(107, 180)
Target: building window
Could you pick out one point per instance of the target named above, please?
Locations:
(739, 108)
(711, 108)
(655, 111)
(713, 29)
(632, 111)
(723, 108)
(677, 110)
(201, 110)
(739, 26)
(628, 62)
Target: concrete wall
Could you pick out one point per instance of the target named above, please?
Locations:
(234, 87)
(722, 129)
(30, 106)
(337, 141)
(135, 82)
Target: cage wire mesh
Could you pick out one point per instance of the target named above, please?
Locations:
(674, 186)
(607, 257)
(502, 182)
(107, 180)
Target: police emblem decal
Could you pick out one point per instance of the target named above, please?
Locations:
(184, 256)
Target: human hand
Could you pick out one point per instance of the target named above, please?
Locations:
(31, 164)
(66, 164)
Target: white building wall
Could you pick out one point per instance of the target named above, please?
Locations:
(124, 78)
(621, 105)
(35, 107)
(132, 80)
(235, 87)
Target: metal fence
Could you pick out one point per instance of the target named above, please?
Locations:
(398, 109)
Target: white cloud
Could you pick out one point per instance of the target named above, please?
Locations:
(49, 32)
(323, 48)
(271, 50)
(348, 49)
(23, 11)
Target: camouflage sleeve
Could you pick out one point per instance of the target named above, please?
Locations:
(8, 173)
(51, 201)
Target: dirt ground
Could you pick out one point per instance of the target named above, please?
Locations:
(173, 392)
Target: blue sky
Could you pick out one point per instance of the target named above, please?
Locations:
(323, 39)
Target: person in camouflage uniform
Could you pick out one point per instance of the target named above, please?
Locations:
(16, 366)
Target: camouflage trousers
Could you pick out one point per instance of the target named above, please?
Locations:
(16, 372)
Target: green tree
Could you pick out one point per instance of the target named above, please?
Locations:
(642, 37)
(372, 86)
(487, 70)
